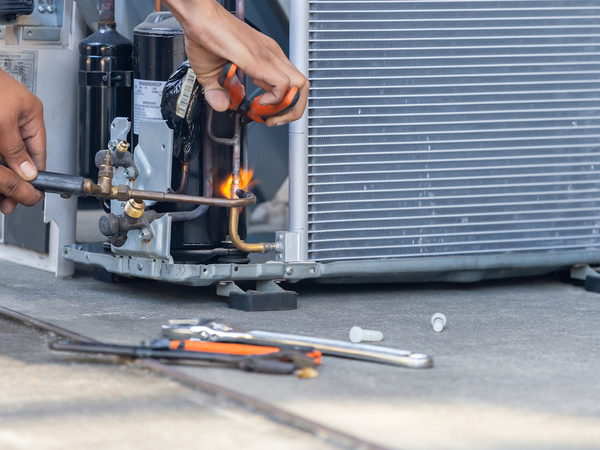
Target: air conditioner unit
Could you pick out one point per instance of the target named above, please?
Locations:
(447, 140)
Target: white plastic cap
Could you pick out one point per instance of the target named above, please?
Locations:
(357, 334)
(438, 320)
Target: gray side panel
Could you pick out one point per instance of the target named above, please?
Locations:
(25, 228)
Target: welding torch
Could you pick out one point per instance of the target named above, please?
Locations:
(67, 185)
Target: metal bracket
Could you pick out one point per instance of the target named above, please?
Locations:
(119, 129)
(582, 272)
(51, 34)
(287, 245)
(224, 288)
(158, 248)
(269, 287)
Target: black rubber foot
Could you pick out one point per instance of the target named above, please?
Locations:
(592, 284)
(263, 301)
(104, 276)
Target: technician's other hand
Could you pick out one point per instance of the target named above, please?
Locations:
(214, 36)
(22, 144)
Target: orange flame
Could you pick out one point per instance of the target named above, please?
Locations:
(246, 177)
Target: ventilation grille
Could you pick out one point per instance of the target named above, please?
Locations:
(453, 128)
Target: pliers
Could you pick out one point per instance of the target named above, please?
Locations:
(252, 110)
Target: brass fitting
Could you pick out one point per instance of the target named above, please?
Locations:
(105, 176)
(123, 146)
(134, 209)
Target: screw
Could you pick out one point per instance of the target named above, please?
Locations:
(289, 271)
(140, 266)
(145, 234)
(41, 9)
(51, 9)
(112, 144)
(357, 334)
(203, 335)
(438, 320)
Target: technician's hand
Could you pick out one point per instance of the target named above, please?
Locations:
(214, 36)
(22, 144)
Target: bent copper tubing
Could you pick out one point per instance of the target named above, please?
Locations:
(181, 216)
(185, 170)
(263, 247)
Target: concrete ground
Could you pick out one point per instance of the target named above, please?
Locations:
(516, 367)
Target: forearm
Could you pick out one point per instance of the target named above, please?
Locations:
(195, 15)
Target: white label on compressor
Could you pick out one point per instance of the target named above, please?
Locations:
(22, 66)
(147, 96)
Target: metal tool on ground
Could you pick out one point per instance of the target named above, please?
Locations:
(438, 321)
(252, 109)
(217, 330)
(282, 363)
(357, 334)
(269, 410)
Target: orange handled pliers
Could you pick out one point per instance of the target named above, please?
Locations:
(252, 109)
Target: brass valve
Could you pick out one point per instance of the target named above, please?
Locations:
(134, 209)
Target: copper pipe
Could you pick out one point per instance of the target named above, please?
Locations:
(263, 247)
(107, 13)
(185, 169)
(158, 5)
(196, 200)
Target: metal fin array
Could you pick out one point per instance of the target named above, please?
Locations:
(453, 128)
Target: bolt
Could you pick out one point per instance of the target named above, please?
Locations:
(51, 9)
(145, 234)
(357, 334)
(438, 320)
(203, 335)
(140, 266)
(130, 173)
(289, 271)
(112, 144)
(41, 9)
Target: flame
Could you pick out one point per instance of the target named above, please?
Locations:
(246, 177)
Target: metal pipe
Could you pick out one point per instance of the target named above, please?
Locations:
(45, 325)
(249, 200)
(59, 183)
(237, 157)
(240, 12)
(298, 163)
(185, 170)
(107, 13)
(217, 140)
(263, 247)
(234, 214)
(181, 216)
